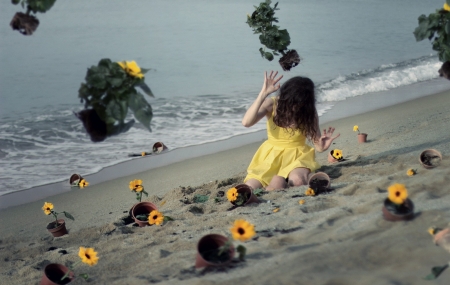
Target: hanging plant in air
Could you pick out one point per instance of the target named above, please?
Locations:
(436, 28)
(26, 23)
(108, 93)
(261, 21)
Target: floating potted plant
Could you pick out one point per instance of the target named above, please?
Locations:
(397, 206)
(241, 195)
(319, 182)
(59, 274)
(335, 155)
(108, 93)
(362, 137)
(26, 23)
(435, 28)
(430, 158)
(441, 237)
(58, 227)
(218, 250)
(262, 22)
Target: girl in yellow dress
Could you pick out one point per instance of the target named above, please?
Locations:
(285, 159)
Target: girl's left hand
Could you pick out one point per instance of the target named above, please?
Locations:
(326, 139)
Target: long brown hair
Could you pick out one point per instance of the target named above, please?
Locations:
(296, 107)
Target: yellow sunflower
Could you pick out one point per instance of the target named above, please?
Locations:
(88, 255)
(143, 153)
(242, 230)
(411, 172)
(397, 193)
(232, 194)
(310, 192)
(446, 7)
(131, 68)
(432, 231)
(47, 208)
(135, 185)
(355, 128)
(301, 202)
(155, 218)
(83, 183)
(337, 153)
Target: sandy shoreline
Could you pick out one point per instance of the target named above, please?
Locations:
(337, 238)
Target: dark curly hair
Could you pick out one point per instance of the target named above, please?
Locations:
(296, 107)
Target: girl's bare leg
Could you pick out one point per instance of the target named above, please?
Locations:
(277, 183)
(255, 184)
(298, 177)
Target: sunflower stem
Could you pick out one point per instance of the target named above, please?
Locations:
(56, 218)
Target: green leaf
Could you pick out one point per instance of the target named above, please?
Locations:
(242, 251)
(422, 31)
(145, 88)
(435, 272)
(141, 109)
(200, 198)
(85, 276)
(447, 1)
(69, 216)
(268, 56)
(142, 217)
(258, 192)
(117, 110)
(167, 218)
(40, 6)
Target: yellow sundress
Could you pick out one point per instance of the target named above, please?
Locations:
(281, 153)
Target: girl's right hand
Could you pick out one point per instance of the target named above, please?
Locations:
(270, 83)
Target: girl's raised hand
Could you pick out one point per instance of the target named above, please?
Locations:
(271, 83)
(327, 138)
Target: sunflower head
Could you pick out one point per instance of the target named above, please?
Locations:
(136, 185)
(143, 153)
(242, 230)
(411, 172)
(47, 208)
(131, 68)
(88, 256)
(337, 154)
(355, 128)
(83, 183)
(397, 193)
(232, 194)
(446, 7)
(301, 202)
(155, 218)
(310, 192)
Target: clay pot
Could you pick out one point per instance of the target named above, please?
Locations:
(74, 179)
(53, 273)
(244, 189)
(142, 208)
(331, 159)
(434, 154)
(362, 138)
(60, 230)
(208, 246)
(319, 176)
(158, 147)
(390, 216)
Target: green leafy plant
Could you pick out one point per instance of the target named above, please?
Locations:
(436, 28)
(262, 22)
(108, 93)
(25, 23)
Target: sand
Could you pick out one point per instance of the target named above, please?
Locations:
(339, 237)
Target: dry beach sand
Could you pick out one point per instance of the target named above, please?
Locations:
(335, 238)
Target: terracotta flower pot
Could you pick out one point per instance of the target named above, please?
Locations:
(53, 273)
(244, 189)
(60, 230)
(208, 251)
(158, 147)
(430, 158)
(73, 179)
(406, 215)
(319, 182)
(362, 138)
(331, 159)
(142, 208)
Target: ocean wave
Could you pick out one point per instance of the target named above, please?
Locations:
(382, 78)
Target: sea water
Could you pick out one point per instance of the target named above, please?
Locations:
(206, 71)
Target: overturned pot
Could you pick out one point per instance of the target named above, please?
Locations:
(319, 182)
(405, 212)
(53, 273)
(430, 158)
(75, 179)
(209, 251)
(142, 208)
(247, 191)
(159, 147)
